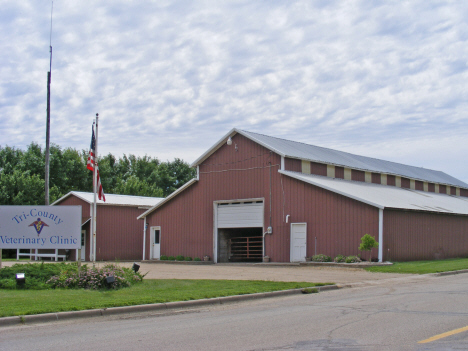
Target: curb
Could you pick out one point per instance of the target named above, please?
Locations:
(60, 316)
(448, 273)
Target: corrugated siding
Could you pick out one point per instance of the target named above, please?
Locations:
(410, 236)
(419, 185)
(291, 164)
(376, 178)
(391, 180)
(187, 220)
(318, 168)
(339, 172)
(359, 176)
(337, 222)
(431, 187)
(119, 234)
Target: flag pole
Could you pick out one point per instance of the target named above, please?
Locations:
(95, 172)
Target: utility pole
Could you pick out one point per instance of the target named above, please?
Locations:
(47, 149)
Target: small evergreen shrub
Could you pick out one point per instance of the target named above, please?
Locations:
(197, 259)
(188, 258)
(352, 259)
(163, 258)
(321, 258)
(171, 258)
(340, 259)
(180, 258)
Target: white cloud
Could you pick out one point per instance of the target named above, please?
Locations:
(170, 78)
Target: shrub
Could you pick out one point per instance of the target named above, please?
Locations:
(340, 259)
(180, 258)
(163, 258)
(197, 259)
(188, 258)
(321, 258)
(37, 274)
(367, 243)
(352, 259)
(171, 258)
(95, 278)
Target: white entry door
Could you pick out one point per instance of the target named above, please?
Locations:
(83, 245)
(155, 242)
(298, 242)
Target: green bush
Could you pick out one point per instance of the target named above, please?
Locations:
(180, 258)
(95, 278)
(367, 243)
(163, 258)
(197, 259)
(36, 274)
(352, 259)
(171, 258)
(321, 258)
(188, 258)
(340, 259)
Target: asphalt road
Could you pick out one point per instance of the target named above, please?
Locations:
(385, 315)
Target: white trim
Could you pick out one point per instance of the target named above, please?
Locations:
(380, 235)
(144, 239)
(152, 232)
(215, 221)
(215, 232)
(282, 163)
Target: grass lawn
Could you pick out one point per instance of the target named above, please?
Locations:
(423, 267)
(23, 302)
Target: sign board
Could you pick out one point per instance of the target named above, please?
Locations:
(40, 227)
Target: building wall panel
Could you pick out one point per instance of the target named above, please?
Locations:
(391, 180)
(359, 176)
(318, 168)
(376, 178)
(339, 172)
(410, 236)
(292, 164)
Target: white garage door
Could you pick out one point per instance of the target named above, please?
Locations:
(240, 215)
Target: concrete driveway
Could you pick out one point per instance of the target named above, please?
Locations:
(249, 271)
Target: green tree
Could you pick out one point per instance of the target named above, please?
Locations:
(367, 243)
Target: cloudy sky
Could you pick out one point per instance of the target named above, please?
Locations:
(386, 79)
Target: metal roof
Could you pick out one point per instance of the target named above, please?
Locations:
(292, 149)
(115, 200)
(384, 196)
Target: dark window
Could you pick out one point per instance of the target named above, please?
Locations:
(156, 236)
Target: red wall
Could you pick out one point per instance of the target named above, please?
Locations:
(410, 235)
(187, 220)
(119, 234)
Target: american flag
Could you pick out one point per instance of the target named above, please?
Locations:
(92, 163)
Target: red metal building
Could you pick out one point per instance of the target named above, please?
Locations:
(119, 235)
(257, 196)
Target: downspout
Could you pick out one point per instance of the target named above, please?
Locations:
(144, 240)
(380, 234)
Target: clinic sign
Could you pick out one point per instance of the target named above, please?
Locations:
(40, 227)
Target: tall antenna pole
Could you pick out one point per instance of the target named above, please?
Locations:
(47, 150)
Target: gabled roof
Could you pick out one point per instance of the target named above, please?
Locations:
(114, 200)
(293, 149)
(384, 196)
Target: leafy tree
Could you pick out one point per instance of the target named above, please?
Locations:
(367, 243)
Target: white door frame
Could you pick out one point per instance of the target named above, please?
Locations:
(291, 258)
(153, 231)
(83, 247)
(215, 221)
